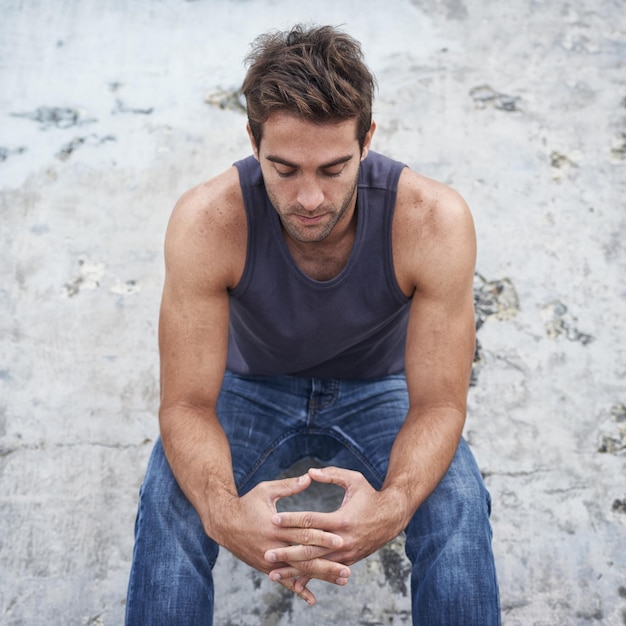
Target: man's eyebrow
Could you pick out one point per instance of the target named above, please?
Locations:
(324, 166)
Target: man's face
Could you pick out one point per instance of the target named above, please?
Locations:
(310, 173)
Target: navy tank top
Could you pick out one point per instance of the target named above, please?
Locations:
(284, 322)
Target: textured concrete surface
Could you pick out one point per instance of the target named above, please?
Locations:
(110, 110)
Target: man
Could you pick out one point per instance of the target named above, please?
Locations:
(317, 303)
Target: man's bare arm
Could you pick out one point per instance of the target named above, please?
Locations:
(439, 260)
(193, 335)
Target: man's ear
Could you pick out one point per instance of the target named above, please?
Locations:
(255, 149)
(367, 142)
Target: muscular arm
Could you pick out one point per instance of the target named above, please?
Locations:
(193, 332)
(434, 257)
(438, 260)
(204, 256)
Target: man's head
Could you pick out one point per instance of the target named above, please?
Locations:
(315, 73)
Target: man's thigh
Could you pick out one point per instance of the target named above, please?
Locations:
(366, 420)
(449, 544)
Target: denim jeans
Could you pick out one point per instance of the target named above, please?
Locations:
(273, 422)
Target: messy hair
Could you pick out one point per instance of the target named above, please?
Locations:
(317, 73)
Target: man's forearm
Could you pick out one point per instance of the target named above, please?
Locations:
(198, 453)
(420, 456)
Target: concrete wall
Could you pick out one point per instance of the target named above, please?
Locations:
(109, 110)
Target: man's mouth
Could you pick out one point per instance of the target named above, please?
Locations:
(308, 219)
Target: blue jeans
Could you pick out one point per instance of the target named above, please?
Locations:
(273, 422)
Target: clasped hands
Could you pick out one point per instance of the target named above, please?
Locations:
(295, 547)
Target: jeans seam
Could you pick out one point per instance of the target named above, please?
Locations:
(356, 452)
(309, 431)
(265, 455)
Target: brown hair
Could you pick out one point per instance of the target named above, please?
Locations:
(317, 73)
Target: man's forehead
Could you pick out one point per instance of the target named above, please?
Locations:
(288, 139)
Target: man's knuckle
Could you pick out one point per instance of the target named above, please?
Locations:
(350, 557)
(343, 526)
(307, 566)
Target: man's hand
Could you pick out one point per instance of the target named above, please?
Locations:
(366, 520)
(250, 534)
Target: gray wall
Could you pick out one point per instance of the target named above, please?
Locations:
(110, 110)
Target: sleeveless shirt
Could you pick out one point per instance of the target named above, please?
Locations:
(353, 326)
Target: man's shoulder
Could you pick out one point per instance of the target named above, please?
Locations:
(431, 222)
(218, 198)
(423, 201)
(432, 229)
(208, 229)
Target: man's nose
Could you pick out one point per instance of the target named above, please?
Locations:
(310, 195)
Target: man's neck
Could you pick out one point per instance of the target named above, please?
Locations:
(323, 260)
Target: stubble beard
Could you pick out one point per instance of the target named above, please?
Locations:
(306, 234)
